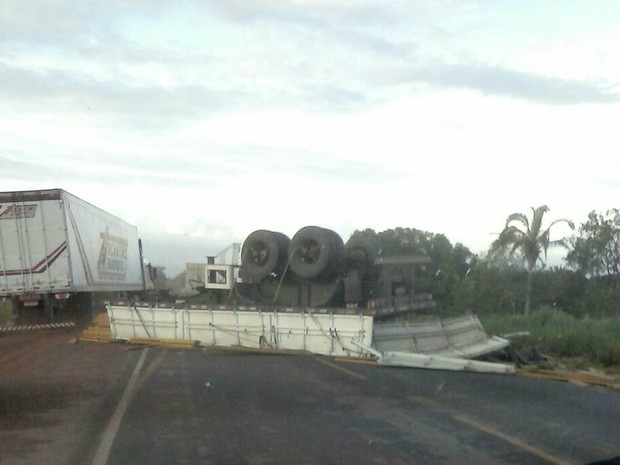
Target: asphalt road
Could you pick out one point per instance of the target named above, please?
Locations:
(191, 408)
(102, 404)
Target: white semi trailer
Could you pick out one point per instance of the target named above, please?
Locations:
(55, 247)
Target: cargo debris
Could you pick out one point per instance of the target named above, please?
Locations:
(98, 331)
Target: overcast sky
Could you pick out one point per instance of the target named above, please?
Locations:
(201, 121)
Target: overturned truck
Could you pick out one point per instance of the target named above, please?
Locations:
(311, 293)
(313, 269)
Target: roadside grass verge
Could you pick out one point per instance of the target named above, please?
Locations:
(561, 335)
(6, 312)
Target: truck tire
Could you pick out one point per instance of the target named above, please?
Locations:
(315, 252)
(360, 254)
(337, 261)
(264, 253)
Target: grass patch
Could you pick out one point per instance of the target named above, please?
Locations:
(559, 334)
(6, 312)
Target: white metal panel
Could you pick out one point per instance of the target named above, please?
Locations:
(423, 337)
(462, 337)
(349, 328)
(161, 325)
(436, 362)
(291, 330)
(467, 337)
(321, 333)
(464, 331)
(443, 363)
(198, 326)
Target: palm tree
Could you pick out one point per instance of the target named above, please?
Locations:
(530, 240)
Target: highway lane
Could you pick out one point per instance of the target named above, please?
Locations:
(189, 407)
(56, 396)
(576, 422)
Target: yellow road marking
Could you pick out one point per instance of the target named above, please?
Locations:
(344, 370)
(510, 439)
(359, 361)
(541, 454)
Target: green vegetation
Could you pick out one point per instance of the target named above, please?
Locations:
(559, 334)
(530, 240)
(576, 309)
(596, 250)
(6, 312)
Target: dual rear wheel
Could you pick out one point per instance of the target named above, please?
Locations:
(314, 253)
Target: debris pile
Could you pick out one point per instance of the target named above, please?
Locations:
(579, 377)
(98, 331)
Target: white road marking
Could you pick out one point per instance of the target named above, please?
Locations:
(107, 439)
(66, 324)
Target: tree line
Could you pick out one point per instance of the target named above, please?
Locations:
(512, 276)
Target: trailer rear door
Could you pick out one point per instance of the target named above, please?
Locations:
(32, 238)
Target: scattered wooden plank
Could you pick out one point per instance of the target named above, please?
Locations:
(575, 377)
(94, 339)
(240, 350)
(360, 361)
(176, 343)
(97, 331)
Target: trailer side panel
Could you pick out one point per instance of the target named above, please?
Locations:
(104, 251)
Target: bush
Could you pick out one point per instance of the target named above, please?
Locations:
(559, 334)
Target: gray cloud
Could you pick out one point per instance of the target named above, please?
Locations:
(90, 34)
(358, 40)
(122, 100)
(183, 165)
(51, 165)
(78, 25)
(342, 56)
(496, 80)
(16, 168)
(283, 11)
(314, 165)
(58, 21)
(119, 102)
(362, 26)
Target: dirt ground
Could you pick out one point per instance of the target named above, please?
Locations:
(53, 393)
